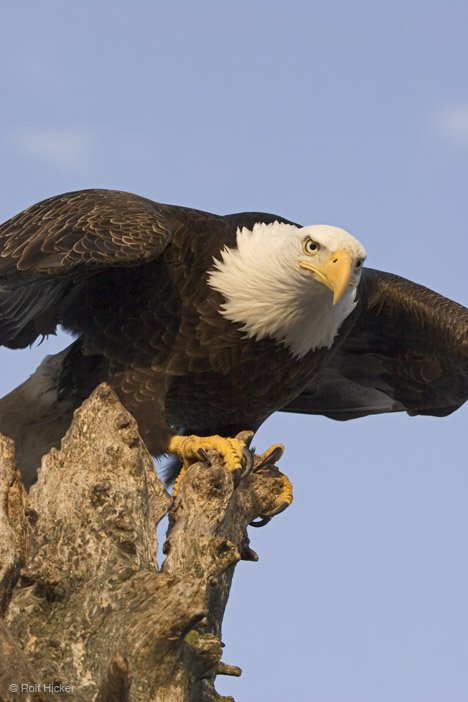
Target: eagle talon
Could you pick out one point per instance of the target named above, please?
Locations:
(204, 456)
(260, 522)
(236, 476)
(267, 517)
(276, 510)
(282, 502)
(273, 454)
(247, 461)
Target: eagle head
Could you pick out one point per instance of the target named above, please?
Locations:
(295, 285)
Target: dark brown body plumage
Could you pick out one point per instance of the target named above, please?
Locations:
(128, 277)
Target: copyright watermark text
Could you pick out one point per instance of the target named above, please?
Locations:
(57, 688)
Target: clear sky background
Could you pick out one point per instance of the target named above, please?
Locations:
(353, 114)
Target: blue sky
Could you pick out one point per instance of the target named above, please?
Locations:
(353, 114)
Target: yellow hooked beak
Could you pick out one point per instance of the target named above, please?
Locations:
(335, 272)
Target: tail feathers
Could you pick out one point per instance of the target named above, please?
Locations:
(38, 412)
(35, 416)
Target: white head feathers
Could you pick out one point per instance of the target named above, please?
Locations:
(269, 294)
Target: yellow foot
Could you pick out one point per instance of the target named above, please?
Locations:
(282, 502)
(234, 452)
(284, 497)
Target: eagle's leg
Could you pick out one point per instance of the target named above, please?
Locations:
(234, 452)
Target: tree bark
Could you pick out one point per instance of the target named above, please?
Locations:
(83, 601)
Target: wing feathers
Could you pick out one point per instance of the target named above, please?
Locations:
(404, 347)
(28, 310)
(49, 248)
(89, 229)
(407, 349)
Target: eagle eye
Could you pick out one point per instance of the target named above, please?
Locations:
(311, 247)
(359, 263)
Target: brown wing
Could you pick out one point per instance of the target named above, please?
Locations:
(47, 248)
(407, 349)
(85, 229)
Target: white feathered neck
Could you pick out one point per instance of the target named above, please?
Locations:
(268, 293)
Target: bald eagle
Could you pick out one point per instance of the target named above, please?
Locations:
(205, 325)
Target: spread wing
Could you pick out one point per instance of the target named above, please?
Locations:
(407, 350)
(49, 247)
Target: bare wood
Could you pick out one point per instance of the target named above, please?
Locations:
(12, 522)
(84, 600)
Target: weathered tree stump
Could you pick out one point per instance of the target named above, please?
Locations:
(82, 599)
